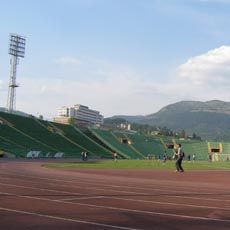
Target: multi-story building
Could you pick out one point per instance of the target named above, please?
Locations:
(80, 114)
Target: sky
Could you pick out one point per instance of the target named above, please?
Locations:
(129, 57)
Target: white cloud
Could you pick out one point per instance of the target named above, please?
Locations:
(114, 89)
(211, 68)
(115, 94)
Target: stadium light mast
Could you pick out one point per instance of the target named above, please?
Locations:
(16, 49)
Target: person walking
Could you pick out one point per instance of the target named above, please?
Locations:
(193, 157)
(164, 158)
(83, 156)
(180, 156)
(86, 156)
(115, 156)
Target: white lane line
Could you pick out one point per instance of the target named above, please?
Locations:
(184, 192)
(81, 198)
(130, 210)
(221, 169)
(93, 183)
(127, 210)
(66, 219)
(108, 185)
(42, 189)
(102, 189)
(199, 198)
(112, 197)
(152, 189)
(74, 193)
(169, 203)
(126, 192)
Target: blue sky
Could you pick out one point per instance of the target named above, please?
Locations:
(117, 56)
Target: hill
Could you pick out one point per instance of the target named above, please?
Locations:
(210, 120)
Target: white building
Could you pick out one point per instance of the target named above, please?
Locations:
(81, 114)
(124, 126)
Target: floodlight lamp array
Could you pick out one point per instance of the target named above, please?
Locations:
(17, 45)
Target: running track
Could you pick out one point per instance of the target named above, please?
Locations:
(34, 197)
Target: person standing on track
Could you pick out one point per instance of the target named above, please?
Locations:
(180, 156)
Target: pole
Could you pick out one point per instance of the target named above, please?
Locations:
(11, 99)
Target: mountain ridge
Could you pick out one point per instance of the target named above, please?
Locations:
(210, 119)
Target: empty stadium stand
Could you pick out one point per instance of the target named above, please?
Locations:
(22, 136)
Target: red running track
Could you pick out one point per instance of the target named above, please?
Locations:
(34, 197)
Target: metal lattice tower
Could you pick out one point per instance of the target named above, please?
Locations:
(16, 50)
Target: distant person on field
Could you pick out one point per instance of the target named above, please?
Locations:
(83, 156)
(210, 158)
(164, 157)
(189, 157)
(159, 157)
(193, 157)
(180, 156)
(115, 156)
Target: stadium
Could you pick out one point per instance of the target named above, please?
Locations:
(31, 137)
(45, 183)
(74, 171)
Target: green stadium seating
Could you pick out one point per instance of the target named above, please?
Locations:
(9, 146)
(147, 145)
(112, 140)
(20, 134)
(31, 127)
(78, 137)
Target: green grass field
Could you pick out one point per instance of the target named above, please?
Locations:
(140, 164)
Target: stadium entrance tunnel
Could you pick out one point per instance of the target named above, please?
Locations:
(125, 141)
(215, 150)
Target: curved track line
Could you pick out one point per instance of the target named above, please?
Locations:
(66, 219)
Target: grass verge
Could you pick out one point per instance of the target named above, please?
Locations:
(140, 164)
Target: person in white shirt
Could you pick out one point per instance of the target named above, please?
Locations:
(180, 156)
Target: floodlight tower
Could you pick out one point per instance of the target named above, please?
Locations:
(16, 49)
